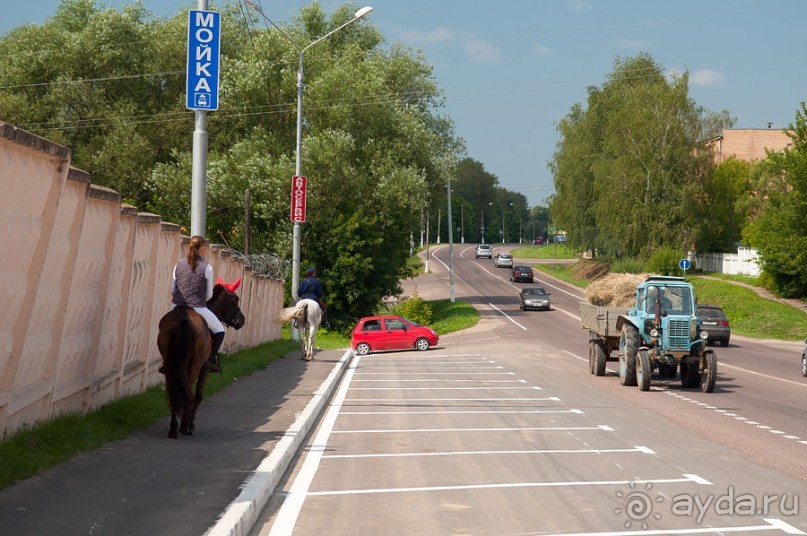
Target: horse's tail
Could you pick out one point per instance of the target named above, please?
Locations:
(288, 313)
(177, 367)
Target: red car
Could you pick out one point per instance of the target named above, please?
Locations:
(539, 241)
(374, 333)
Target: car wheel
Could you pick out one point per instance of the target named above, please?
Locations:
(724, 342)
(422, 344)
(804, 365)
(362, 348)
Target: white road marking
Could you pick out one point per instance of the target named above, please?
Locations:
(490, 452)
(768, 376)
(503, 486)
(443, 381)
(436, 373)
(486, 388)
(465, 412)
(735, 416)
(290, 509)
(442, 430)
(773, 524)
(508, 317)
(414, 400)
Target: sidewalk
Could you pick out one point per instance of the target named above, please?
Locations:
(215, 482)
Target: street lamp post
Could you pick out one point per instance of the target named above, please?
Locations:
(450, 244)
(295, 259)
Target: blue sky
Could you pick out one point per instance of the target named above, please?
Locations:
(511, 69)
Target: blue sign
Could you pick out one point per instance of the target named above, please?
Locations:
(685, 264)
(202, 81)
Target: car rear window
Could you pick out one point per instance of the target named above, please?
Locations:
(710, 312)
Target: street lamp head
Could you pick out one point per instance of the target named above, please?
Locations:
(362, 12)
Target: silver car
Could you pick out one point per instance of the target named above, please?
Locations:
(483, 250)
(503, 260)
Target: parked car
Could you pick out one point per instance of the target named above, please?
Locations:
(483, 250)
(712, 319)
(539, 240)
(534, 298)
(503, 260)
(804, 359)
(374, 333)
(521, 274)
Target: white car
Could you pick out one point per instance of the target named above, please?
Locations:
(503, 260)
(483, 250)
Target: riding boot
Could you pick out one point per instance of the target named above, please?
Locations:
(213, 364)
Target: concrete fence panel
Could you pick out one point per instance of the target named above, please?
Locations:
(84, 284)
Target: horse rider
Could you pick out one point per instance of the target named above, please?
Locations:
(192, 286)
(311, 288)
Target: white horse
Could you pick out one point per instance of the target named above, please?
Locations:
(307, 316)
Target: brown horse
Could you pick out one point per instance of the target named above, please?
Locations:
(185, 344)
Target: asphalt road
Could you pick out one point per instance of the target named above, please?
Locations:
(501, 429)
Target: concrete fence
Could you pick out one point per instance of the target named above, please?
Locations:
(84, 281)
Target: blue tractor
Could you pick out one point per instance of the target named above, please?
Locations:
(661, 333)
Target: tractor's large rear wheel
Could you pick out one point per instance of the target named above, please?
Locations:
(629, 342)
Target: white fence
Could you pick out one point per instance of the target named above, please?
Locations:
(744, 262)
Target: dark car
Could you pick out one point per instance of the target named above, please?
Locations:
(521, 274)
(804, 359)
(534, 298)
(375, 333)
(713, 321)
(539, 240)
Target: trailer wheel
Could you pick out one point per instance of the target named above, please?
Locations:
(643, 370)
(629, 346)
(591, 345)
(599, 358)
(709, 373)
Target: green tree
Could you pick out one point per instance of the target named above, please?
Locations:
(376, 148)
(779, 230)
(628, 167)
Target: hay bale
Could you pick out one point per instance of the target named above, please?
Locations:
(614, 290)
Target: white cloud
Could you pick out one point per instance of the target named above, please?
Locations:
(579, 5)
(706, 77)
(540, 49)
(438, 35)
(481, 51)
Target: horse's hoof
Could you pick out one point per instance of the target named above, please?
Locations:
(186, 431)
(172, 435)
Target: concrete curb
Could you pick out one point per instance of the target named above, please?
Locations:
(240, 516)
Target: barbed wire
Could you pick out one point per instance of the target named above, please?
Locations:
(268, 264)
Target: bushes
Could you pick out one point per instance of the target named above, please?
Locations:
(664, 261)
(414, 308)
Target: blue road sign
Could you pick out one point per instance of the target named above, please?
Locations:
(685, 264)
(202, 81)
